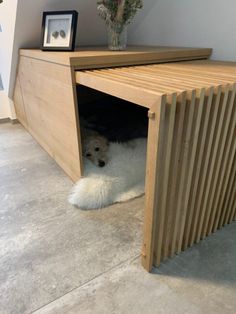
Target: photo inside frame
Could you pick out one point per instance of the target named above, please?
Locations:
(57, 30)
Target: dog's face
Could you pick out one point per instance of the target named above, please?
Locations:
(95, 149)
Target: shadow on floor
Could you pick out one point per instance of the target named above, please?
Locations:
(212, 260)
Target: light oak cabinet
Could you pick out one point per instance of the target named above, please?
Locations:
(190, 173)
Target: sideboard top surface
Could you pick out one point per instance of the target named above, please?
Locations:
(99, 57)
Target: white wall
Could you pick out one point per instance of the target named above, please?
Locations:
(7, 109)
(194, 23)
(7, 23)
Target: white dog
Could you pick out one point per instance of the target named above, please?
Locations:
(122, 178)
(94, 147)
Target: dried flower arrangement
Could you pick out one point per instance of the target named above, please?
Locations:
(117, 14)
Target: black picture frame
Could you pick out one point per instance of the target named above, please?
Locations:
(69, 44)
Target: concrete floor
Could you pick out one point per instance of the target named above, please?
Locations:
(57, 259)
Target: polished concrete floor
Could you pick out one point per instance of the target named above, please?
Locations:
(55, 258)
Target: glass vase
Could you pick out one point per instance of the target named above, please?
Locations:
(117, 37)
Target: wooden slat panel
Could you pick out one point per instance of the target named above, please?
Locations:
(211, 178)
(231, 209)
(196, 145)
(163, 78)
(204, 173)
(217, 68)
(232, 215)
(137, 94)
(227, 152)
(198, 166)
(228, 176)
(224, 215)
(187, 75)
(221, 154)
(229, 203)
(155, 83)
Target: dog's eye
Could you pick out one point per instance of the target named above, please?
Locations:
(96, 149)
(88, 155)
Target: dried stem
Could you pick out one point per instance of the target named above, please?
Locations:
(120, 11)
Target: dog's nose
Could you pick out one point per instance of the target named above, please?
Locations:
(101, 163)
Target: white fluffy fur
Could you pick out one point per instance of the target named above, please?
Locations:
(120, 180)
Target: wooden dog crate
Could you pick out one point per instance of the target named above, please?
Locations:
(191, 168)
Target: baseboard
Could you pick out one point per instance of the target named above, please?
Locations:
(7, 109)
(8, 120)
(14, 121)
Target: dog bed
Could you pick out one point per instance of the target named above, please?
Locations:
(120, 180)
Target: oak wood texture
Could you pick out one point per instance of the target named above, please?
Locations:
(19, 104)
(97, 57)
(191, 153)
(45, 94)
(45, 104)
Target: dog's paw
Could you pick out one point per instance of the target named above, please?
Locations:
(135, 191)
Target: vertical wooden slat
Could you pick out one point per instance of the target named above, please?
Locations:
(231, 208)
(153, 168)
(225, 200)
(173, 175)
(165, 178)
(230, 201)
(232, 215)
(199, 163)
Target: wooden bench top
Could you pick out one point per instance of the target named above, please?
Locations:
(141, 83)
(97, 57)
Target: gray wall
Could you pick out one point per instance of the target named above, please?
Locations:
(195, 23)
(29, 18)
(91, 29)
